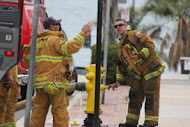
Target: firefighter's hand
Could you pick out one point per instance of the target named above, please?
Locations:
(9, 79)
(135, 57)
(19, 68)
(114, 85)
(87, 27)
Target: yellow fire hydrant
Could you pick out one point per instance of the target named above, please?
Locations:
(90, 88)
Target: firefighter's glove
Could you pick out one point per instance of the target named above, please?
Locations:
(114, 85)
(51, 89)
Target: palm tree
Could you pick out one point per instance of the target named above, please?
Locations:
(178, 10)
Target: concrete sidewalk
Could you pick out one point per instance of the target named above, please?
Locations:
(174, 105)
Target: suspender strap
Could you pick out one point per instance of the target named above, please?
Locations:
(128, 59)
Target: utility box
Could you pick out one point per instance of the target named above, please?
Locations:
(185, 65)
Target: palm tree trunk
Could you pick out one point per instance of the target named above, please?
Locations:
(113, 17)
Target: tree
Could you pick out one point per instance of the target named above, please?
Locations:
(113, 17)
(179, 11)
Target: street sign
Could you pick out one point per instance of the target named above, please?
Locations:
(125, 14)
(187, 65)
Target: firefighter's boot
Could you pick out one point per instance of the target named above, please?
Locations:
(126, 125)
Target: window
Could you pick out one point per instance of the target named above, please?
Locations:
(8, 8)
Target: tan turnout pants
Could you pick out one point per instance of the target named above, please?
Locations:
(147, 91)
(41, 105)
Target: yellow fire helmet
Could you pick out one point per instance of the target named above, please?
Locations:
(51, 89)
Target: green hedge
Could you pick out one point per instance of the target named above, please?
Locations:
(111, 66)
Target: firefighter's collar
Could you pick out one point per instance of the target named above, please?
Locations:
(121, 36)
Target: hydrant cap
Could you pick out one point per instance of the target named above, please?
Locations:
(102, 69)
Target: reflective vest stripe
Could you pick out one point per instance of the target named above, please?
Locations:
(129, 68)
(132, 116)
(128, 46)
(48, 58)
(37, 79)
(155, 73)
(135, 62)
(52, 59)
(64, 48)
(67, 57)
(43, 84)
(131, 47)
(152, 118)
(120, 77)
(137, 77)
(146, 52)
(41, 44)
(11, 124)
(80, 38)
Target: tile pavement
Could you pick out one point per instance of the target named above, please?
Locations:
(114, 108)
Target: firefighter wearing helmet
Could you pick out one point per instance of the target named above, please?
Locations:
(139, 66)
(53, 54)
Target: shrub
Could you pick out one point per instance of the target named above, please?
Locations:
(111, 66)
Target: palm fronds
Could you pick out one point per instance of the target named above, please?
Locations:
(164, 43)
(179, 47)
(177, 10)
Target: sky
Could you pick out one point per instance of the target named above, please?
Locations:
(76, 13)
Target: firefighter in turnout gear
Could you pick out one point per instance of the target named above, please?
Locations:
(53, 54)
(9, 92)
(139, 65)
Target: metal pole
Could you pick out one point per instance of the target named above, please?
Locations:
(32, 64)
(106, 45)
(98, 63)
(133, 4)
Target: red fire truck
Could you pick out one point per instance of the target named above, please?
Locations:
(11, 15)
